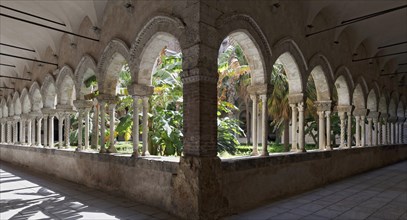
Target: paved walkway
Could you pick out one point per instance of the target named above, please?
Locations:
(29, 195)
(379, 194)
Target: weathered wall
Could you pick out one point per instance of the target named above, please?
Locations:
(250, 182)
(143, 180)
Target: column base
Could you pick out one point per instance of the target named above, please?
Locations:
(112, 149)
(254, 153)
(102, 150)
(32, 145)
(135, 155)
(265, 154)
(78, 149)
(328, 148)
(145, 153)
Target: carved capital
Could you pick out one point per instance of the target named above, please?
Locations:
(360, 112)
(258, 89)
(295, 98)
(323, 105)
(140, 90)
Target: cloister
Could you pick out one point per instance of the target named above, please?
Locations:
(35, 114)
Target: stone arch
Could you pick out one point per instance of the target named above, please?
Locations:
(4, 108)
(359, 100)
(85, 69)
(322, 74)
(343, 90)
(49, 92)
(152, 38)
(247, 33)
(17, 103)
(10, 105)
(400, 109)
(287, 52)
(372, 101)
(392, 108)
(35, 97)
(383, 104)
(113, 57)
(66, 86)
(25, 101)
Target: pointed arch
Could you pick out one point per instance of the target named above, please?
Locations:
(85, 69)
(17, 103)
(383, 103)
(49, 92)
(287, 52)
(322, 73)
(66, 86)
(4, 107)
(115, 54)
(358, 98)
(372, 101)
(157, 33)
(247, 33)
(400, 109)
(10, 105)
(25, 101)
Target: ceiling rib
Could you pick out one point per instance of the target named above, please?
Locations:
(18, 78)
(25, 58)
(17, 47)
(392, 45)
(9, 65)
(380, 56)
(32, 15)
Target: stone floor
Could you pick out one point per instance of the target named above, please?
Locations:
(379, 194)
(30, 195)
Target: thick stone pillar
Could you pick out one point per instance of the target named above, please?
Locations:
(369, 132)
(67, 129)
(136, 127)
(294, 114)
(61, 118)
(301, 136)
(321, 130)
(80, 128)
(363, 131)
(51, 131)
(45, 121)
(112, 112)
(254, 125)
(328, 130)
(264, 130)
(342, 116)
(145, 127)
(29, 132)
(95, 125)
(102, 126)
(357, 135)
(86, 128)
(39, 120)
(349, 132)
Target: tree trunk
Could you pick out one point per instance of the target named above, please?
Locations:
(286, 135)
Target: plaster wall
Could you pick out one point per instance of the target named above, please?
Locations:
(143, 180)
(251, 182)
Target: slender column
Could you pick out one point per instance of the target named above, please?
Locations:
(2, 132)
(145, 127)
(33, 133)
(95, 125)
(39, 119)
(61, 117)
(294, 114)
(400, 133)
(376, 133)
(328, 130)
(51, 131)
(112, 112)
(21, 131)
(349, 132)
(67, 128)
(384, 128)
(102, 126)
(369, 132)
(391, 132)
(321, 130)
(86, 129)
(357, 135)
(8, 132)
(80, 128)
(342, 119)
(264, 124)
(15, 132)
(29, 132)
(45, 118)
(363, 132)
(136, 128)
(254, 125)
(301, 136)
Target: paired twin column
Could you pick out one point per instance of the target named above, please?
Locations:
(262, 122)
(297, 129)
(324, 124)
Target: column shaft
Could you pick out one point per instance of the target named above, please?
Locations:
(369, 132)
(136, 127)
(349, 132)
(51, 131)
(321, 130)
(21, 141)
(80, 128)
(328, 130)
(342, 137)
(86, 129)
(33, 134)
(112, 109)
(60, 129)
(357, 135)
(45, 118)
(264, 125)
(254, 125)
(102, 127)
(67, 128)
(294, 127)
(29, 132)
(145, 127)
(39, 119)
(301, 136)
(363, 131)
